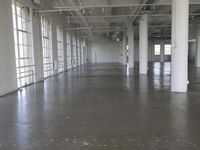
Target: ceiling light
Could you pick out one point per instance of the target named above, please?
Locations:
(83, 10)
(37, 2)
(103, 9)
(68, 20)
(91, 11)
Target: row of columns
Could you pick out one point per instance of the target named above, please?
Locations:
(179, 64)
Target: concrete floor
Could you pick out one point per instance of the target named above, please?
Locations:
(103, 107)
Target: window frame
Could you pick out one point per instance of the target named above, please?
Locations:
(24, 54)
(47, 50)
(157, 53)
(60, 49)
(168, 51)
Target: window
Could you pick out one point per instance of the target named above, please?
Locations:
(85, 52)
(69, 52)
(82, 47)
(156, 49)
(78, 52)
(60, 49)
(23, 45)
(167, 49)
(74, 53)
(47, 47)
(127, 47)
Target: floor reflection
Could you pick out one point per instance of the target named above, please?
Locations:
(179, 120)
(101, 105)
(22, 118)
(161, 75)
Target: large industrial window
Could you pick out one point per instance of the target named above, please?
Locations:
(23, 44)
(60, 49)
(167, 49)
(84, 52)
(74, 53)
(69, 52)
(82, 47)
(47, 47)
(78, 52)
(157, 49)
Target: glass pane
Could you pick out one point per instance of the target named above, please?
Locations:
(157, 49)
(168, 49)
(23, 48)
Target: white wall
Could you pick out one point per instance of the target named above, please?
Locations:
(110, 51)
(8, 81)
(105, 52)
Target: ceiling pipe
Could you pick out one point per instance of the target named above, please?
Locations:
(115, 27)
(121, 5)
(119, 27)
(122, 16)
(78, 8)
(85, 28)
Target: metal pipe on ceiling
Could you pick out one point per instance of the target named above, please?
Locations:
(120, 5)
(119, 27)
(121, 16)
(78, 8)
(86, 28)
(112, 27)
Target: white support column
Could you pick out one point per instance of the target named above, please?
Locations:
(143, 44)
(180, 25)
(162, 52)
(198, 48)
(131, 47)
(124, 47)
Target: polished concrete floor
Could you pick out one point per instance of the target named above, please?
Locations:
(103, 107)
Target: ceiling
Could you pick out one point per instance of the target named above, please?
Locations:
(108, 19)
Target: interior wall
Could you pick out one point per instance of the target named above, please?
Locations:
(8, 81)
(105, 52)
